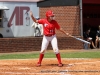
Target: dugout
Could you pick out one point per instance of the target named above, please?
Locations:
(91, 16)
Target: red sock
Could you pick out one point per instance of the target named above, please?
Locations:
(58, 57)
(40, 58)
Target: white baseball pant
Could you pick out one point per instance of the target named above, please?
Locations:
(45, 43)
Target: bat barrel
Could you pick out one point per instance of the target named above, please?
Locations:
(82, 40)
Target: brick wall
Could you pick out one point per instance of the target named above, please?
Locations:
(67, 16)
(34, 44)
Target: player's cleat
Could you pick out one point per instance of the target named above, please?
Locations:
(60, 65)
(38, 65)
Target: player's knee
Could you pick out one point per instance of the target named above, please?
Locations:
(43, 51)
(56, 51)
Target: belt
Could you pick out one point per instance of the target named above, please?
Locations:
(48, 35)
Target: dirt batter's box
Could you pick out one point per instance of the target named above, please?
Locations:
(71, 67)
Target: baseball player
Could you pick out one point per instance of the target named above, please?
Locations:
(49, 26)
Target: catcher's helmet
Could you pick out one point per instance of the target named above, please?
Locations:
(49, 13)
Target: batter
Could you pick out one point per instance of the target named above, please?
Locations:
(49, 26)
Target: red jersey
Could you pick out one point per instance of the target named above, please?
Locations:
(49, 27)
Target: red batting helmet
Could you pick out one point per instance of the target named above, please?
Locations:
(49, 13)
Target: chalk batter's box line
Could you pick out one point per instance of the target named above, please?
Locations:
(69, 65)
(19, 73)
(85, 63)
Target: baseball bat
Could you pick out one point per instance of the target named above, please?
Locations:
(80, 39)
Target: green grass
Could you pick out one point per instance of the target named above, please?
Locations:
(81, 55)
(49, 54)
(19, 56)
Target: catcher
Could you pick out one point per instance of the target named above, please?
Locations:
(49, 26)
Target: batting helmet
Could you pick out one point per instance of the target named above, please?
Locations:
(49, 13)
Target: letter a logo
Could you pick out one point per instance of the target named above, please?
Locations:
(18, 14)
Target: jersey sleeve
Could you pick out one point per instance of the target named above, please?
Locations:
(57, 26)
(41, 21)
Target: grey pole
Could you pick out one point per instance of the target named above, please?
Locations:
(81, 18)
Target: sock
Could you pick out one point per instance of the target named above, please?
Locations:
(58, 57)
(40, 58)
